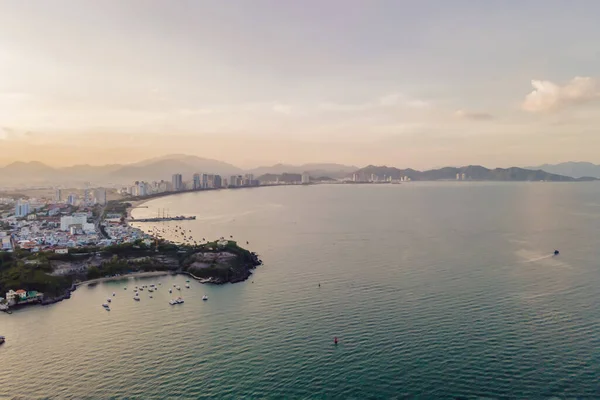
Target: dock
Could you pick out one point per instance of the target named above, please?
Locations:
(162, 219)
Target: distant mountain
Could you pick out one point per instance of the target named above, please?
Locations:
(472, 172)
(314, 169)
(165, 167)
(572, 169)
(36, 173)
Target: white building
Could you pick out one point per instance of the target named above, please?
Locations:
(100, 195)
(67, 220)
(5, 243)
(58, 196)
(305, 178)
(177, 181)
(21, 209)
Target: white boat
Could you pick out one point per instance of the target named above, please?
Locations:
(205, 297)
(114, 294)
(187, 286)
(178, 287)
(150, 290)
(170, 290)
(109, 300)
(174, 285)
(141, 289)
(178, 300)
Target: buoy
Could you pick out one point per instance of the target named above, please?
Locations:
(335, 340)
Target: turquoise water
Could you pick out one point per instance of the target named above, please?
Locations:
(434, 290)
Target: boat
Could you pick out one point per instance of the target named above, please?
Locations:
(174, 285)
(136, 298)
(141, 289)
(556, 252)
(187, 280)
(114, 294)
(160, 283)
(187, 286)
(125, 288)
(109, 300)
(150, 290)
(2, 339)
(106, 306)
(150, 296)
(170, 290)
(178, 300)
(205, 297)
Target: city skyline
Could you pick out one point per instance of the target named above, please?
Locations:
(385, 82)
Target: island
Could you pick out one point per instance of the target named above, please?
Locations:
(46, 277)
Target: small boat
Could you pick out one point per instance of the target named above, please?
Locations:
(187, 286)
(556, 252)
(125, 288)
(160, 283)
(170, 290)
(136, 298)
(2, 339)
(205, 297)
(114, 294)
(150, 290)
(187, 280)
(109, 300)
(174, 285)
(335, 340)
(150, 296)
(178, 288)
(141, 289)
(106, 306)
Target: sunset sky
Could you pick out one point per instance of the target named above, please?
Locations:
(404, 83)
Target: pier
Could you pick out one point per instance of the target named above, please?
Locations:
(161, 219)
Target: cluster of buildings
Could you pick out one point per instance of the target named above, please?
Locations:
(23, 297)
(198, 182)
(59, 226)
(90, 197)
(461, 177)
(373, 178)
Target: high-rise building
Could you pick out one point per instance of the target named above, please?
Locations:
(233, 180)
(72, 199)
(204, 181)
(217, 183)
(58, 196)
(305, 178)
(177, 181)
(197, 182)
(21, 208)
(100, 196)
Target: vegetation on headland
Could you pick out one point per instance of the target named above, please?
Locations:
(38, 271)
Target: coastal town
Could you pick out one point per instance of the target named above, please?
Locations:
(48, 245)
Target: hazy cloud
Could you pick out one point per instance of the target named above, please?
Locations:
(387, 101)
(549, 96)
(473, 115)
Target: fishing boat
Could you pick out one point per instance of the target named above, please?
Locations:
(106, 306)
(136, 298)
(205, 297)
(2, 339)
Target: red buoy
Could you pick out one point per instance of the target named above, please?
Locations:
(335, 340)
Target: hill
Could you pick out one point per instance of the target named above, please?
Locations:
(472, 172)
(315, 169)
(572, 169)
(165, 167)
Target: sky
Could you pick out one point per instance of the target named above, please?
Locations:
(416, 84)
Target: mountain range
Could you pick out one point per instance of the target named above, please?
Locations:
(573, 169)
(153, 169)
(36, 173)
(472, 172)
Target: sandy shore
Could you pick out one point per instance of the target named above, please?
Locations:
(134, 204)
(116, 278)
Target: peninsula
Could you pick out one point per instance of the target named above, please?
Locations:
(46, 276)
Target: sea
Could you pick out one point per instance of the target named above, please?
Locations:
(434, 290)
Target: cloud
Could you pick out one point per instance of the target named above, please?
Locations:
(548, 96)
(282, 109)
(473, 115)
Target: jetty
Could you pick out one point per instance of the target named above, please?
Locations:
(160, 219)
